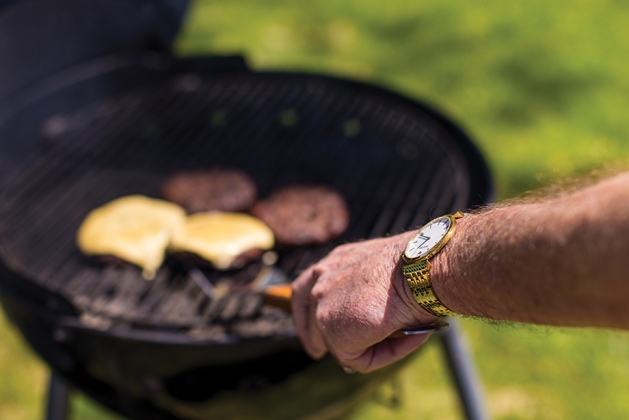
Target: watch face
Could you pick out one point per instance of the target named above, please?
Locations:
(427, 238)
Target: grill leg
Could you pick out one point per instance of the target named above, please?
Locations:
(58, 398)
(464, 372)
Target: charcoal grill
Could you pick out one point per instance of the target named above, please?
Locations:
(120, 124)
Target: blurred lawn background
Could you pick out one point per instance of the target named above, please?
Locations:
(543, 89)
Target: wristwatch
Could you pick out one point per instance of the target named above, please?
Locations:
(426, 244)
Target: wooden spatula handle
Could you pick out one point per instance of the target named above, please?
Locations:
(278, 296)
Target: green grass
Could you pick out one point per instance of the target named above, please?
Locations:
(24, 378)
(542, 88)
(24, 382)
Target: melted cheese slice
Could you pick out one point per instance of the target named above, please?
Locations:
(136, 229)
(220, 237)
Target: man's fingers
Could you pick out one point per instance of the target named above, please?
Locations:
(304, 310)
(316, 345)
(300, 302)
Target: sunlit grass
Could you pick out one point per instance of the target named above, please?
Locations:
(528, 373)
(23, 377)
(540, 85)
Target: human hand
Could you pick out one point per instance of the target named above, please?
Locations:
(349, 303)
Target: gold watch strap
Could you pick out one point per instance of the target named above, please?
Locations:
(418, 277)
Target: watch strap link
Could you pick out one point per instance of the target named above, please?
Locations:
(418, 277)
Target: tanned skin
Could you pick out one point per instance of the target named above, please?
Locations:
(563, 261)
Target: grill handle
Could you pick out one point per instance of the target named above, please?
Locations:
(279, 296)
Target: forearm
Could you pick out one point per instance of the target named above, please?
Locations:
(560, 262)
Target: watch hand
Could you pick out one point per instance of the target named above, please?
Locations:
(425, 238)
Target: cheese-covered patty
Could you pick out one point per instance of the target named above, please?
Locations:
(220, 237)
(135, 228)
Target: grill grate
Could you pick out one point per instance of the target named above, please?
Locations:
(395, 165)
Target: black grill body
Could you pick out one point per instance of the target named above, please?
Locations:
(122, 124)
(82, 123)
(41, 37)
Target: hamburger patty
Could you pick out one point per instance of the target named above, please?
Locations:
(304, 215)
(210, 189)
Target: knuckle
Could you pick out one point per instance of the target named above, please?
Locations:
(323, 319)
(317, 292)
(341, 249)
(317, 270)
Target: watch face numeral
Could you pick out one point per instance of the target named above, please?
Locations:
(428, 238)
